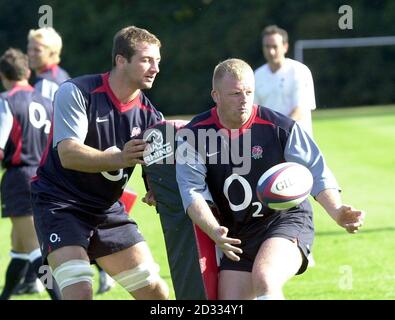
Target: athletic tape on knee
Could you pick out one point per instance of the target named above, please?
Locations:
(141, 276)
(17, 255)
(72, 272)
(35, 254)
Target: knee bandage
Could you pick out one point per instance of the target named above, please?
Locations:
(72, 272)
(141, 276)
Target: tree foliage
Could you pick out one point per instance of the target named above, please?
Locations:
(197, 34)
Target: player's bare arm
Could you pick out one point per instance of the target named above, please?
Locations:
(345, 215)
(77, 156)
(201, 214)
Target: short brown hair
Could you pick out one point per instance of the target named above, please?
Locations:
(273, 29)
(126, 40)
(14, 65)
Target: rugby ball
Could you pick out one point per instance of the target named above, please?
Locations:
(284, 186)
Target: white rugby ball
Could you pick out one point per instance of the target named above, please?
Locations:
(284, 185)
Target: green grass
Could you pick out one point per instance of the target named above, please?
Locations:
(359, 145)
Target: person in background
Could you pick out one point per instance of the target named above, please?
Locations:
(44, 50)
(44, 47)
(25, 121)
(283, 84)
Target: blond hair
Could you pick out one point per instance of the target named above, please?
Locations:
(49, 38)
(237, 68)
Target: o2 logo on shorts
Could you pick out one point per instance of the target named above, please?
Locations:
(54, 238)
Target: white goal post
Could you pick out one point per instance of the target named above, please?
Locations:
(300, 45)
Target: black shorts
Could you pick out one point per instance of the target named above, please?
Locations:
(99, 232)
(294, 225)
(15, 192)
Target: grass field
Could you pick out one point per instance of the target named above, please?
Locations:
(359, 146)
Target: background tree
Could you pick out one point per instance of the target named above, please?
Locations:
(197, 34)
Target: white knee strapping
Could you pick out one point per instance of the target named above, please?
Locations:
(72, 272)
(34, 254)
(139, 277)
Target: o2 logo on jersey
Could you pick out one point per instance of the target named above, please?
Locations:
(119, 173)
(38, 117)
(236, 178)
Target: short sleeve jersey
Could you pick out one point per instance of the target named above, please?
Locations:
(48, 82)
(230, 162)
(110, 124)
(31, 123)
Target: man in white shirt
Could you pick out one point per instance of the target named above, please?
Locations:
(283, 84)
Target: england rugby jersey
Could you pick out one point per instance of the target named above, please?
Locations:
(224, 166)
(107, 123)
(31, 121)
(49, 80)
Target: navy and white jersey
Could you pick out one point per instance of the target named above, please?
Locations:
(227, 172)
(25, 118)
(86, 109)
(48, 82)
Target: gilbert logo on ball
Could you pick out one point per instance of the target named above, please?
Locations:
(284, 185)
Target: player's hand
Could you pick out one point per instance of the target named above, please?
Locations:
(133, 151)
(149, 198)
(350, 218)
(226, 244)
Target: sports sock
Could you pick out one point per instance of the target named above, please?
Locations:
(31, 274)
(15, 272)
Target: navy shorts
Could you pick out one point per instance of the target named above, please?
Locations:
(295, 225)
(99, 232)
(15, 192)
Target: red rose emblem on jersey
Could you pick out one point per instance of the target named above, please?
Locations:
(256, 152)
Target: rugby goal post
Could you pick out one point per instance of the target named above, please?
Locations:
(301, 45)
